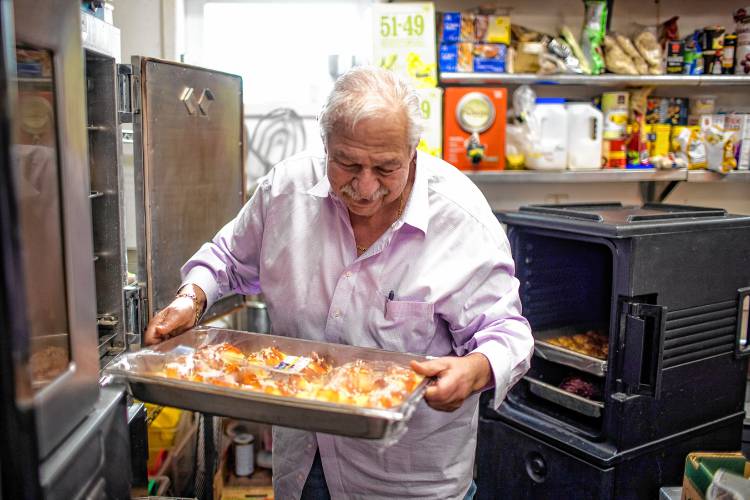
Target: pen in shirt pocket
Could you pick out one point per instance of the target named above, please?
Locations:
(388, 299)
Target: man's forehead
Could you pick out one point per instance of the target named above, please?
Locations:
(345, 151)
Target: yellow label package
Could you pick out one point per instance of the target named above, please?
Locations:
(431, 103)
(404, 40)
(493, 29)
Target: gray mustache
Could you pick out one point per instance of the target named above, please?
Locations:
(354, 195)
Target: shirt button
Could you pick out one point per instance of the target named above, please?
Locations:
(301, 477)
(337, 314)
(309, 446)
(348, 274)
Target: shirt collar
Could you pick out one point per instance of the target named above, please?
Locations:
(322, 189)
(416, 211)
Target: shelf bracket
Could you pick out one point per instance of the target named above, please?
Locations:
(650, 193)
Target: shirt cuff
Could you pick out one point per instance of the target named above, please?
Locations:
(497, 355)
(204, 278)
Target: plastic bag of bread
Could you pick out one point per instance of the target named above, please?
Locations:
(616, 59)
(629, 49)
(649, 48)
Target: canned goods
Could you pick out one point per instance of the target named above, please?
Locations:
(614, 153)
(243, 454)
(615, 110)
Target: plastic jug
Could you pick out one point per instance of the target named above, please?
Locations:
(585, 124)
(550, 119)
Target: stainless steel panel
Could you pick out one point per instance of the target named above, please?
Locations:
(571, 401)
(139, 369)
(93, 462)
(55, 26)
(105, 153)
(188, 159)
(100, 37)
(557, 354)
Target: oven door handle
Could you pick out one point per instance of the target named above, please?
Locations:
(742, 342)
(644, 346)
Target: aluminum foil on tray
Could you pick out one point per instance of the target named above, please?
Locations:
(332, 388)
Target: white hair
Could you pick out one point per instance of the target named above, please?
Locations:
(368, 92)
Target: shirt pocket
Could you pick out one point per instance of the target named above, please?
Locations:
(408, 325)
(405, 310)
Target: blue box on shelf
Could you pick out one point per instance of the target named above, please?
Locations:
(448, 57)
(489, 57)
(450, 27)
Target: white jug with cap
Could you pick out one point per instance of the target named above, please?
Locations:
(550, 150)
(585, 124)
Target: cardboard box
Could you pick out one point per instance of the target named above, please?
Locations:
(492, 29)
(431, 102)
(657, 110)
(740, 125)
(677, 111)
(456, 27)
(700, 468)
(404, 40)
(465, 57)
(449, 28)
(489, 57)
(457, 57)
(480, 110)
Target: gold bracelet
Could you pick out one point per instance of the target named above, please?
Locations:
(196, 306)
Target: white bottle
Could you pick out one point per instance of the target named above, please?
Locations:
(585, 124)
(550, 151)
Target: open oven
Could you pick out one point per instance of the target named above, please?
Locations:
(637, 314)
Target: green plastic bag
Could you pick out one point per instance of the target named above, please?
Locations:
(592, 35)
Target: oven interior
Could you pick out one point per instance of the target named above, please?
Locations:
(567, 296)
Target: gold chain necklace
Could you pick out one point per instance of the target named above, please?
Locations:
(362, 250)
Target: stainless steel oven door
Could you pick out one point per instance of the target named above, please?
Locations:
(187, 128)
(57, 364)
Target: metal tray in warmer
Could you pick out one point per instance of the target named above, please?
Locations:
(557, 354)
(138, 371)
(571, 401)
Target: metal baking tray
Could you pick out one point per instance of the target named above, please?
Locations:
(557, 354)
(137, 370)
(571, 401)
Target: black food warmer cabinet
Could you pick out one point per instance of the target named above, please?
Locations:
(639, 317)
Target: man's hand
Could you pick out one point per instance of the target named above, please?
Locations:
(174, 319)
(457, 379)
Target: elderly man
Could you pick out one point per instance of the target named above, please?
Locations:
(374, 244)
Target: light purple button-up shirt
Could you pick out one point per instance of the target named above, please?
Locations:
(448, 262)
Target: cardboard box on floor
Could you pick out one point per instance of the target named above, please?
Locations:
(700, 468)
